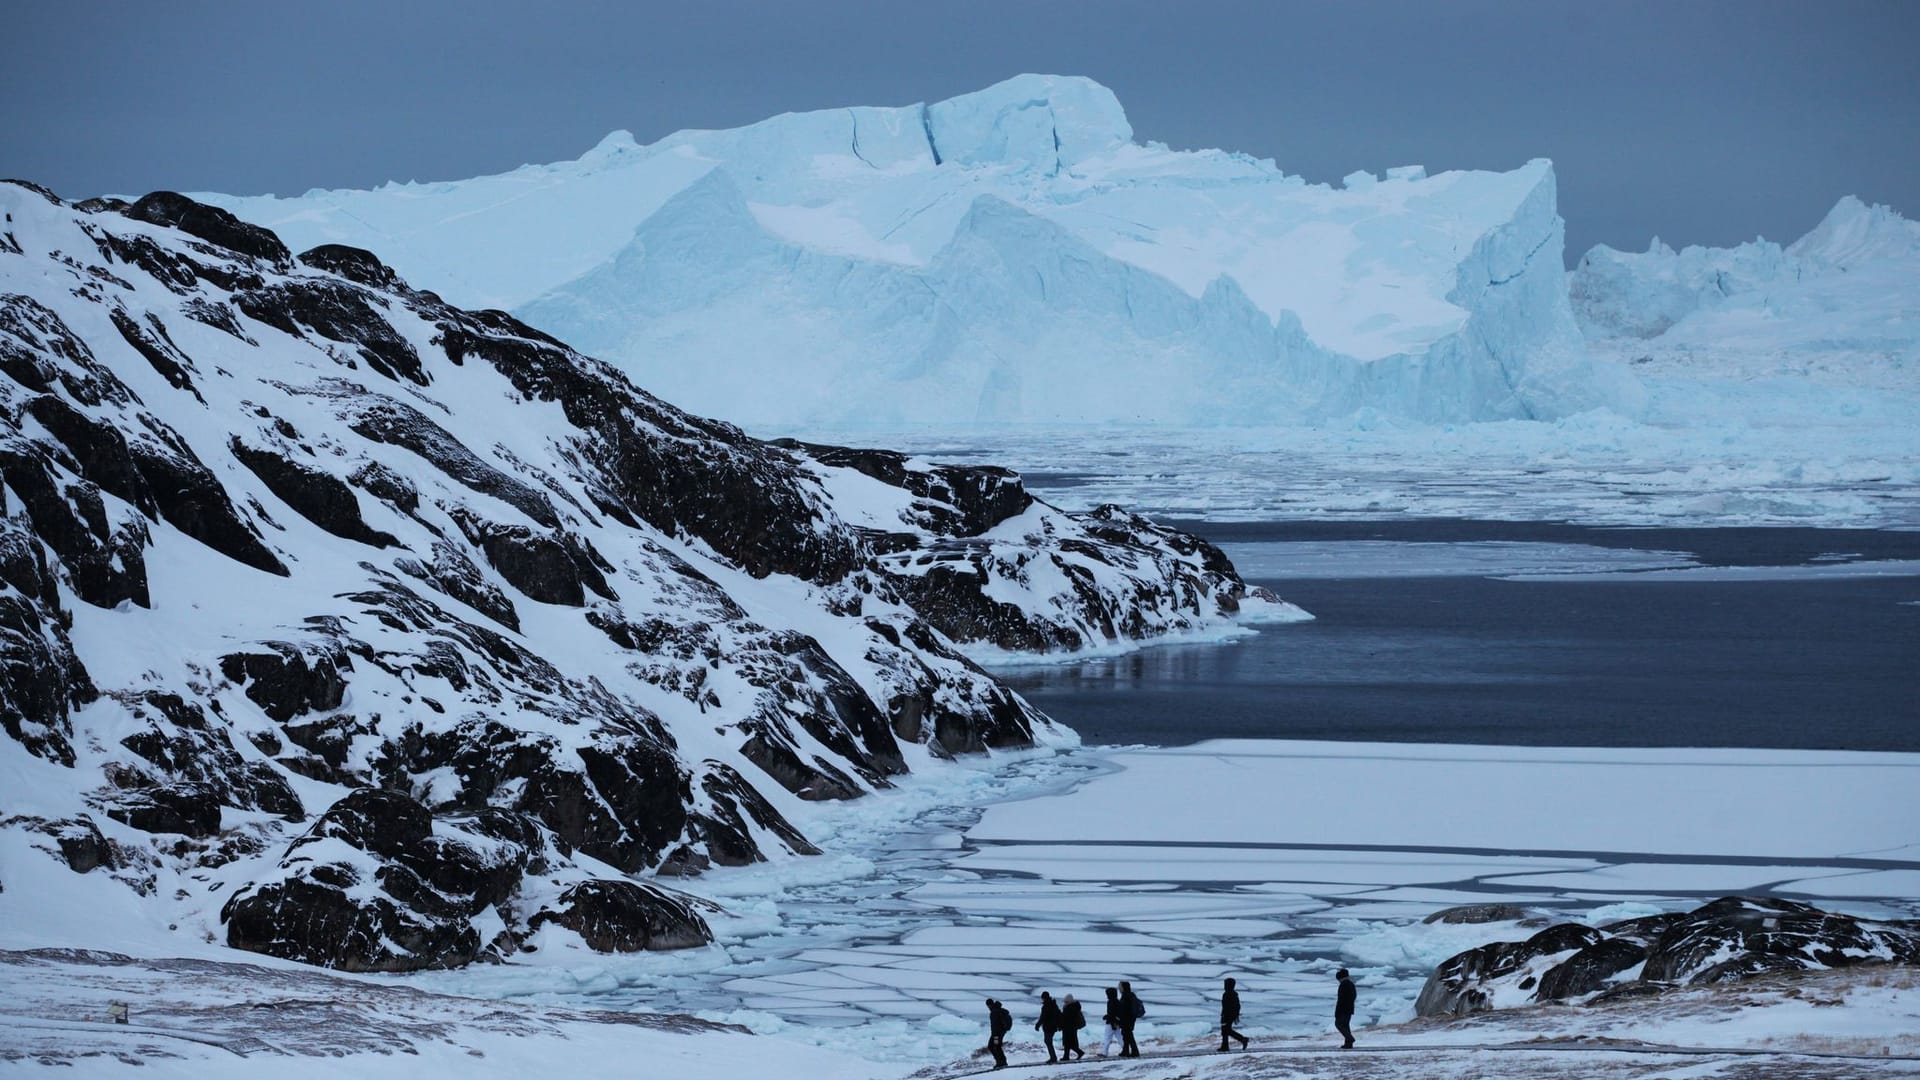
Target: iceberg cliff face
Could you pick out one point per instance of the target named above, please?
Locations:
(1007, 255)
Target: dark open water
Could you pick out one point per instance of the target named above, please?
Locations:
(1817, 664)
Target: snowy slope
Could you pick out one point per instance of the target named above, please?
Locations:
(1007, 255)
(344, 625)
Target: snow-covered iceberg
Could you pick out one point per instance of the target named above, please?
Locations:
(1846, 290)
(1007, 255)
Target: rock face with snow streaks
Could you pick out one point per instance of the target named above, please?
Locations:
(1731, 938)
(397, 635)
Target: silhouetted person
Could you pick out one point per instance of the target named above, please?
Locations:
(1343, 1009)
(1049, 1024)
(1072, 1019)
(999, 1022)
(1230, 1015)
(1112, 1018)
(1130, 1013)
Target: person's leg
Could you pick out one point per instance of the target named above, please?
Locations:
(1051, 1059)
(1346, 1032)
(1129, 1048)
(1226, 1032)
(999, 1052)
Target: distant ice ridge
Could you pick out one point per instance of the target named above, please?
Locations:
(1851, 283)
(1007, 255)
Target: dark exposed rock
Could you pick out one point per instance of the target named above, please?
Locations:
(1479, 913)
(218, 315)
(209, 223)
(553, 568)
(1737, 936)
(964, 500)
(172, 271)
(454, 574)
(41, 679)
(157, 474)
(287, 680)
(40, 352)
(337, 312)
(726, 833)
(626, 916)
(387, 421)
(320, 497)
(179, 744)
(814, 781)
(1731, 938)
(388, 486)
(427, 886)
(951, 594)
(355, 264)
(78, 841)
(1590, 969)
(104, 559)
(1461, 984)
(185, 808)
(678, 472)
(153, 342)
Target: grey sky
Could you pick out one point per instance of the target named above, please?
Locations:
(1700, 121)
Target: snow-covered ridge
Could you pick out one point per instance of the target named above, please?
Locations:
(345, 625)
(1006, 255)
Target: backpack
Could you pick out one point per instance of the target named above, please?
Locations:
(1139, 1009)
(1075, 1018)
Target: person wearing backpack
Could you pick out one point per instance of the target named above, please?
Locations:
(1049, 1024)
(1131, 1012)
(999, 1022)
(1072, 1019)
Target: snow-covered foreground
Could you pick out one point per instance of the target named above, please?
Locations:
(1092, 866)
(1089, 866)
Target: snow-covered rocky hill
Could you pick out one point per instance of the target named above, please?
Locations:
(1840, 303)
(1007, 255)
(345, 625)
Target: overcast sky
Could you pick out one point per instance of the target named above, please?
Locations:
(1699, 121)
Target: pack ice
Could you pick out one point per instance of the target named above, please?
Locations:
(345, 625)
(1007, 255)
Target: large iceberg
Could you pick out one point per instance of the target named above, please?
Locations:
(1007, 255)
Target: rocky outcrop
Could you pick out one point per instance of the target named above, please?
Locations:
(434, 635)
(1731, 938)
(377, 885)
(626, 916)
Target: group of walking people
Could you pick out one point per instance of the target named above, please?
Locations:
(1067, 1017)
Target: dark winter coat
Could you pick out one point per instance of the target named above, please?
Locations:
(1229, 1006)
(1130, 1010)
(1072, 1018)
(1112, 1015)
(1000, 1021)
(1343, 1005)
(1049, 1016)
